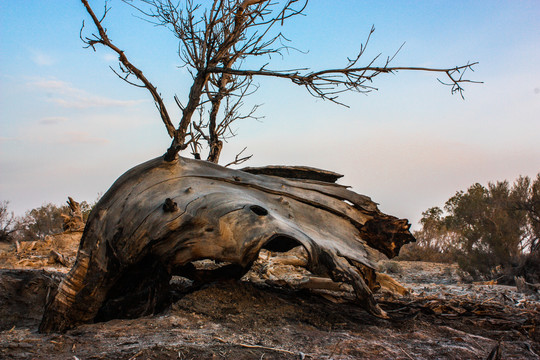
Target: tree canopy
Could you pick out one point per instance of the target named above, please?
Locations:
(487, 229)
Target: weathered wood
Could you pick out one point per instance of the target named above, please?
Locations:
(524, 287)
(56, 257)
(23, 295)
(74, 220)
(161, 216)
(295, 172)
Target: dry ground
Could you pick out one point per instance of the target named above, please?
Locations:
(442, 318)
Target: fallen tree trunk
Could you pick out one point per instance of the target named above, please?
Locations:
(160, 217)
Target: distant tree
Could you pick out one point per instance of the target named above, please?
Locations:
(216, 38)
(46, 220)
(491, 228)
(488, 230)
(41, 222)
(8, 223)
(434, 241)
(526, 198)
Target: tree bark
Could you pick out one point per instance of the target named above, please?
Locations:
(161, 216)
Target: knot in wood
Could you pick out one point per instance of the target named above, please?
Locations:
(169, 205)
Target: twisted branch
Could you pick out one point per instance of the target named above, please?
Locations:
(104, 40)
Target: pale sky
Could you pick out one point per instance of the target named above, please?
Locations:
(70, 127)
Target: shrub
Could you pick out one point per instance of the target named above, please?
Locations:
(391, 267)
(487, 230)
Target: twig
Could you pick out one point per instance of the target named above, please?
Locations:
(135, 356)
(495, 353)
(238, 160)
(335, 348)
(406, 353)
(260, 347)
(487, 300)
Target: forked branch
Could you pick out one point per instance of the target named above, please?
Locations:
(327, 84)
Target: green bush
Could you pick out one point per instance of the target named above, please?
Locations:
(488, 231)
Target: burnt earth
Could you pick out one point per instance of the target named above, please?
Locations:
(242, 320)
(442, 318)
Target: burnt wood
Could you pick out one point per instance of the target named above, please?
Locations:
(161, 216)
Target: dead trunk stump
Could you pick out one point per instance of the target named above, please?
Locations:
(161, 216)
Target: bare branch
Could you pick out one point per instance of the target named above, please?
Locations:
(326, 83)
(239, 160)
(125, 78)
(103, 39)
(214, 43)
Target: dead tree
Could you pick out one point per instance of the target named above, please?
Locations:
(214, 44)
(162, 216)
(74, 220)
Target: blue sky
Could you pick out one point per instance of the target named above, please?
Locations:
(69, 126)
